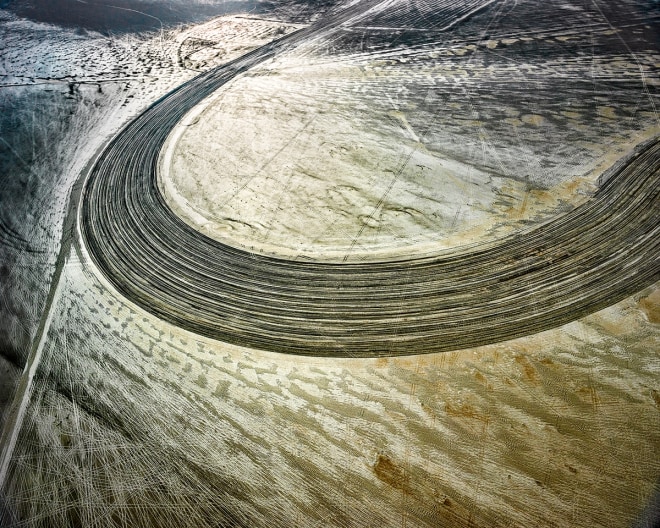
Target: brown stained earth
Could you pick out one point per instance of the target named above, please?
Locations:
(426, 503)
(465, 410)
(530, 373)
(392, 474)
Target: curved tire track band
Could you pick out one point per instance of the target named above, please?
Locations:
(577, 263)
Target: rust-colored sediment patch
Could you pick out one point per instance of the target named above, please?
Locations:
(391, 473)
(433, 506)
(528, 370)
(465, 410)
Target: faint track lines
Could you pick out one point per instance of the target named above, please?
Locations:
(575, 264)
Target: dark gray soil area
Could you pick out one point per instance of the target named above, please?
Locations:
(122, 15)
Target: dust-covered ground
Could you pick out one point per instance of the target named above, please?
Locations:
(384, 141)
(64, 93)
(130, 421)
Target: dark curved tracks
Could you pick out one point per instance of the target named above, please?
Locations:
(580, 262)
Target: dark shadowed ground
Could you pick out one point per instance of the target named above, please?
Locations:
(122, 15)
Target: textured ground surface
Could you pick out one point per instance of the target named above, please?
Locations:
(134, 422)
(397, 143)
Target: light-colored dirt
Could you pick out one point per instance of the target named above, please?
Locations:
(557, 429)
(134, 422)
(333, 157)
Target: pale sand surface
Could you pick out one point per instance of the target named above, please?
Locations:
(135, 422)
